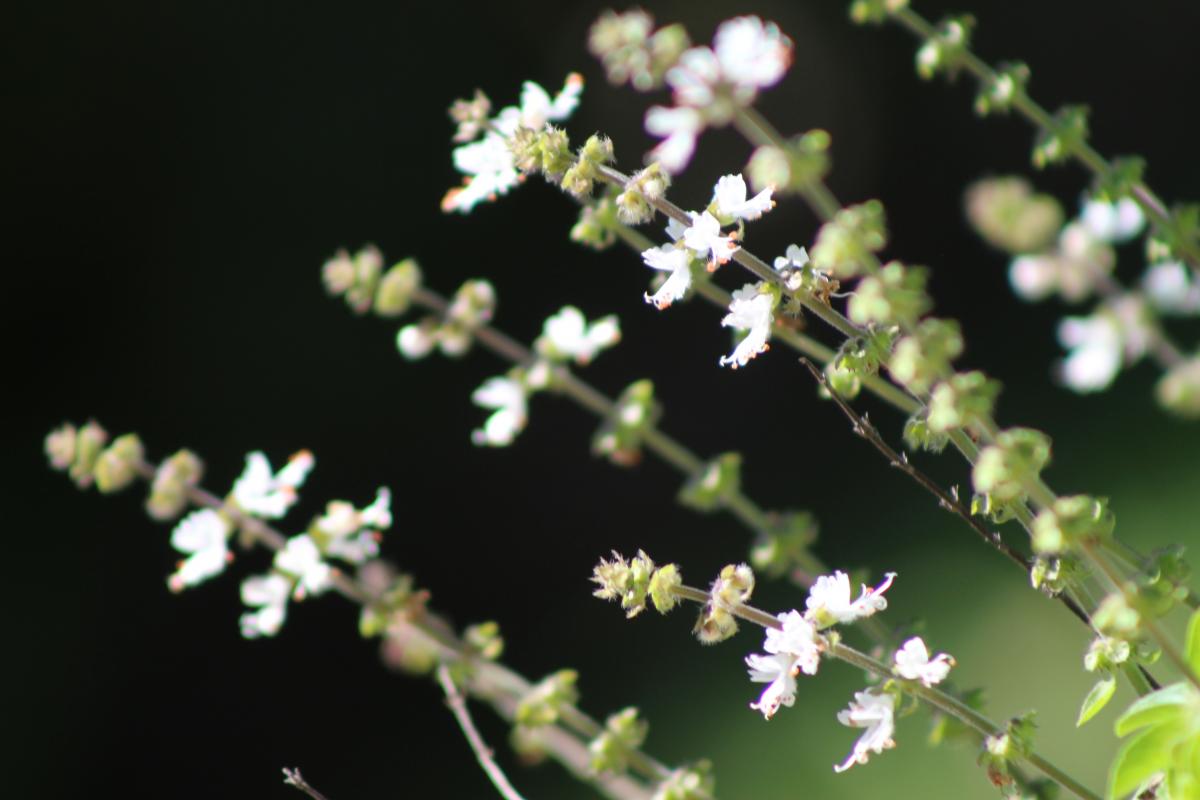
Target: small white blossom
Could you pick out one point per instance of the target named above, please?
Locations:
(795, 257)
(875, 712)
(1095, 358)
(913, 663)
(204, 535)
(779, 672)
(350, 534)
(1034, 277)
(567, 335)
(829, 602)
(750, 310)
(269, 594)
(675, 260)
(1169, 287)
(797, 638)
(301, 558)
(752, 55)
(508, 397)
(675, 229)
(488, 163)
(262, 494)
(1113, 222)
(730, 198)
(678, 128)
(704, 236)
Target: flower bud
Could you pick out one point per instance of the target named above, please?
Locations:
(89, 441)
(544, 702)
(117, 466)
(396, 288)
(714, 484)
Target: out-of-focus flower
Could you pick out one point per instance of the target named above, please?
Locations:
(269, 595)
(509, 399)
(260, 493)
(204, 536)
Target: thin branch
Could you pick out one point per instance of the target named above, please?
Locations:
(292, 777)
(483, 753)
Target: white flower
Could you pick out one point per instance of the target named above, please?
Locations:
(752, 55)
(262, 494)
(567, 335)
(913, 663)
(269, 594)
(1113, 222)
(779, 672)
(351, 534)
(695, 79)
(875, 712)
(508, 397)
(204, 534)
(678, 128)
(704, 236)
(675, 260)
(797, 638)
(750, 310)
(301, 558)
(416, 341)
(829, 600)
(794, 257)
(730, 197)
(1095, 345)
(1034, 277)
(1169, 287)
(488, 163)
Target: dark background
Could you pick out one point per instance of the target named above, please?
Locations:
(177, 174)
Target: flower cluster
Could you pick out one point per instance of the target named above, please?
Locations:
(453, 331)
(710, 85)
(486, 159)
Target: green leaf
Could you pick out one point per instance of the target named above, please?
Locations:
(1096, 699)
(1193, 642)
(1154, 709)
(1140, 757)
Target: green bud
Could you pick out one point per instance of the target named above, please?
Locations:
(116, 467)
(1055, 574)
(1106, 654)
(396, 288)
(628, 582)
(1123, 175)
(596, 225)
(544, 702)
(397, 596)
(966, 400)
(408, 649)
(997, 511)
(1178, 390)
(644, 188)
(732, 587)
(1070, 520)
(769, 166)
(842, 380)
(354, 278)
(1008, 466)
(894, 296)
(484, 640)
(663, 584)
(529, 744)
(784, 544)
(997, 95)
(172, 479)
(803, 161)
(694, 782)
(920, 359)
(919, 436)
(555, 150)
(620, 436)
(89, 442)
(714, 484)
(1067, 132)
(844, 245)
(1181, 233)
(1116, 618)
(1009, 216)
(623, 734)
(945, 51)
(874, 11)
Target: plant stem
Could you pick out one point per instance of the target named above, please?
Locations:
(483, 753)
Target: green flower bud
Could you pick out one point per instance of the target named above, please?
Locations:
(895, 296)
(596, 225)
(644, 188)
(1123, 175)
(555, 151)
(117, 466)
(769, 166)
(997, 95)
(544, 702)
(484, 640)
(394, 293)
(1116, 618)
(354, 278)
(694, 782)
(803, 161)
(89, 442)
(628, 582)
(529, 744)
(966, 400)
(407, 649)
(844, 245)
(620, 436)
(920, 436)
(920, 359)
(1070, 520)
(784, 544)
(732, 587)
(874, 11)
(1054, 574)
(663, 584)
(1106, 654)
(944, 52)
(1009, 216)
(172, 479)
(1178, 390)
(1009, 465)
(623, 734)
(1067, 132)
(714, 484)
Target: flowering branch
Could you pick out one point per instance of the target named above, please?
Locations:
(483, 753)
(1007, 90)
